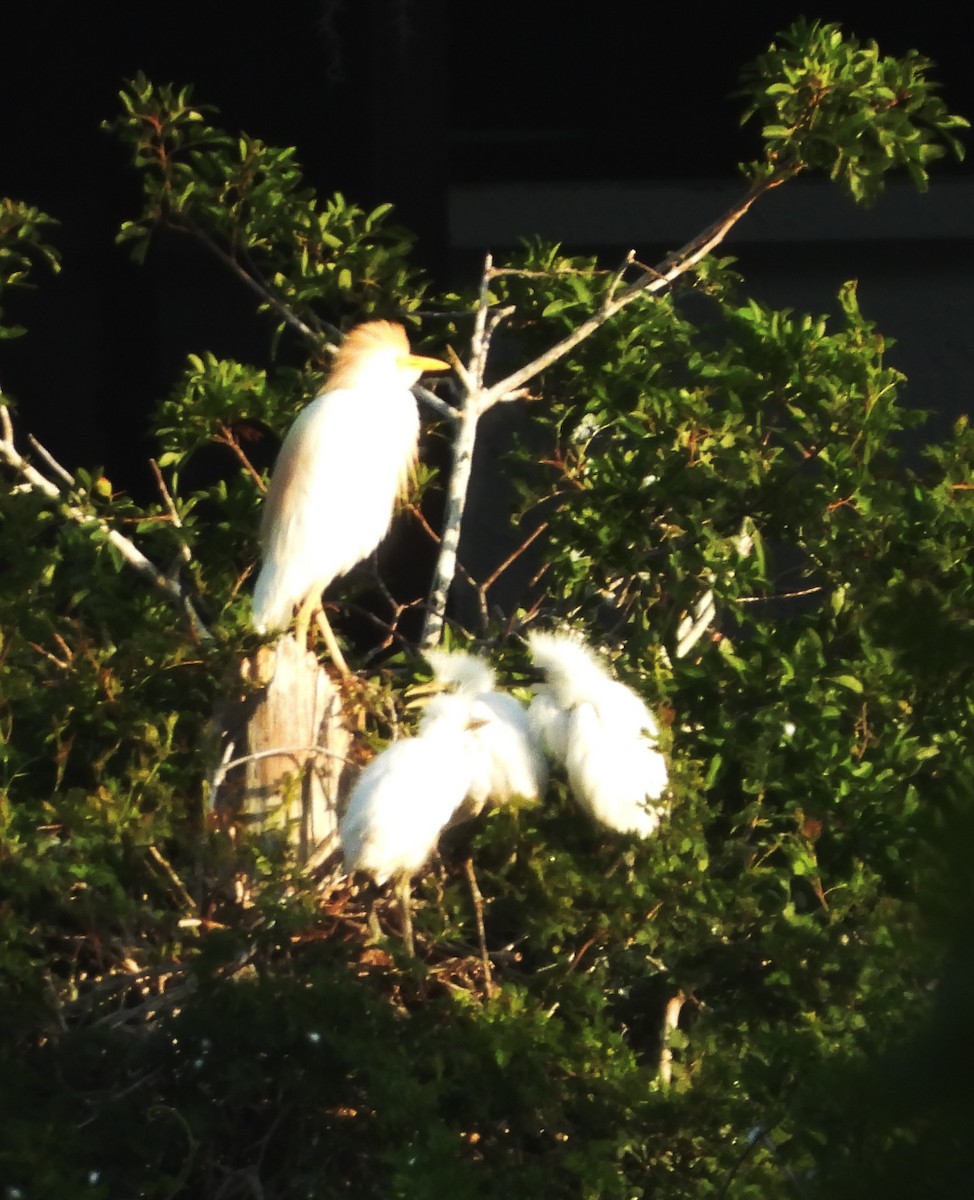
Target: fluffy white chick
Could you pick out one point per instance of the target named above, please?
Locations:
(603, 734)
(407, 794)
(510, 764)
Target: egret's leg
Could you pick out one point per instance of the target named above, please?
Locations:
(375, 929)
(331, 642)
(478, 911)
(303, 618)
(403, 896)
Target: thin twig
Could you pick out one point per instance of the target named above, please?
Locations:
(156, 854)
(434, 537)
(323, 329)
(488, 583)
(62, 664)
(63, 474)
(170, 504)
(519, 394)
(809, 591)
(228, 439)
(513, 556)
(624, 266)
(478, 910)
(283, 752)
(527, 273)
(248, 279)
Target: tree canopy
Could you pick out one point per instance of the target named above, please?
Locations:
(770, 997)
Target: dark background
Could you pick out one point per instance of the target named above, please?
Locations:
(418, 102)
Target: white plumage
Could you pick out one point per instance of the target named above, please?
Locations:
(603, 734)
(342, 464)
(408, 793)
(548, 722)
(509, 762)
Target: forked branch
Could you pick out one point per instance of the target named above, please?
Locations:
(478, 398)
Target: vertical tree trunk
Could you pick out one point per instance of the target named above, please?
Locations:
(290, 733)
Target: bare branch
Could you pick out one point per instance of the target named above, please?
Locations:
(513, 556)
(463, 444)
(33, 478)
(671, 1018)
(650, 282)
(696, 623)
(179, 887)
(478, 350)
(250, 279)
(433, 402)
(483, 588)
(62, 473)
(460, 367)
(525, 273)
(446, 563)
(130, 553)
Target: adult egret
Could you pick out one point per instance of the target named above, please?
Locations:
(406, 796)
(339, 471)
(510, 764)
(603, 734)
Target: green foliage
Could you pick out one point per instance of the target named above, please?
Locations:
(22, 243)
(247, 203)
(189, 1015)
(828, 103)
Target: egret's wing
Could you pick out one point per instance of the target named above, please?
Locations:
(300, 495)
(331, 495)
(405, 797)
(510, 759)
(621, 710)
(617, 777)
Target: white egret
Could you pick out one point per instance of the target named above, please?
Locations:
(339, 471)
(510, 764)
(603, 734)
(406, 796)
